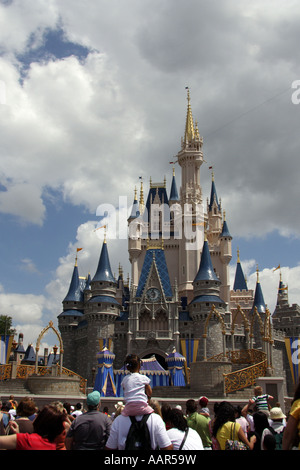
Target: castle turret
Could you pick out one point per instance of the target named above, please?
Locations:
(240, 282)
(206, 286)
(74, 297)
(174, 197)
(214, 213)
(258, 302)
(240, 294)
(207, 299)
(190, 159)
(226, 255)
(134, 236)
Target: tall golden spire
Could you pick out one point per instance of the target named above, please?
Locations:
(141, 202)
(189, 125)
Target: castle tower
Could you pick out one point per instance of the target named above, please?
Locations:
(220, 241)
(282, 295)
(226, 255)
(190, 159)
(134, 237)
(286, 317)
(240, 294)
(206, 297)
(214, 212)
(71, 316)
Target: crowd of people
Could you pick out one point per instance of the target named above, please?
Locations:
(59, 426)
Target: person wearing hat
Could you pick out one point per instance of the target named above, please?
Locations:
(278, 423)
(90, 430)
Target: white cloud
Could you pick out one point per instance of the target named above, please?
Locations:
(22, 307)
(29, 265)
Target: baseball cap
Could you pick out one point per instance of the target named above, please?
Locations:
(93, 398)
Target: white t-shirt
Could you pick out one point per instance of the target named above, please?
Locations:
(133, 385)
(121, 425)
(192, 442)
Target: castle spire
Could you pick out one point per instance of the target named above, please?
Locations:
(213, 194)
(206, 271)
(259, 301)
(173, 192)
(239, 281)
(135, 212)
(142, 202)
(74, 293)
(104, 272)
(189, 133)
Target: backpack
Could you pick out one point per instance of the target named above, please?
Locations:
(278, 438)
(138, 436)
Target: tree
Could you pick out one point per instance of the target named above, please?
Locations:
(6, 325)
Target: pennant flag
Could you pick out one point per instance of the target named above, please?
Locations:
(102, 226)
(79, 249)
(278, 267)
(5, 348)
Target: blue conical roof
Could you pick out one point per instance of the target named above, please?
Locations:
(75, 293)
(174, 193)
(259, 301)
(206, 271)
(104, 272)
(213, 195)
(225, 231)
(135, 211)
(239, 280)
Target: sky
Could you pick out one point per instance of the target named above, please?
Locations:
(93, 96)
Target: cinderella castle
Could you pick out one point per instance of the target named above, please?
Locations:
(178, 297)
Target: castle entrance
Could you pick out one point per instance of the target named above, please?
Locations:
(160, 359)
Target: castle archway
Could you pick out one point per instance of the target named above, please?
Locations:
(42, 333)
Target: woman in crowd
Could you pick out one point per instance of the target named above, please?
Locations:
(48, 425)
(225, 428)
(181, 436)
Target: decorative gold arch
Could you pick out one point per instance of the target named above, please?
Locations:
(61, 349)
(44, 330)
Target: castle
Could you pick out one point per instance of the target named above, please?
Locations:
(179, 295)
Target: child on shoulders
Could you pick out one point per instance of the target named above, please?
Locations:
(261, 399)
(137, 389)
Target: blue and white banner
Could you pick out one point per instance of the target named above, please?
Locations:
(292, 345)
(5, 348)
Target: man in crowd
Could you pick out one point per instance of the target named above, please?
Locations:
(90, 430)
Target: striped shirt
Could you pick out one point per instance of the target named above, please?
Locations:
(262, 402)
